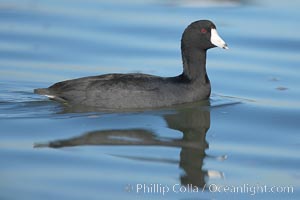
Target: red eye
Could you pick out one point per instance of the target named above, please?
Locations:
(203, 30)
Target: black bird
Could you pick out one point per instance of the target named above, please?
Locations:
(136, 90)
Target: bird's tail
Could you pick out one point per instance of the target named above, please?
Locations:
(46, 92)
(42, 91)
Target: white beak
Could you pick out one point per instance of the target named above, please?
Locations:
(217, 40)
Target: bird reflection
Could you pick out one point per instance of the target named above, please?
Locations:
(192, 122)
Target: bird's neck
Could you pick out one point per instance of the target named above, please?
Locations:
(194, 64)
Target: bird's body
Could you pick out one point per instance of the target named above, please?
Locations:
(126, 91)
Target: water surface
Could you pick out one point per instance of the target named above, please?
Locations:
(245, 135)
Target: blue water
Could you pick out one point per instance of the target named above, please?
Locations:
(245, 136)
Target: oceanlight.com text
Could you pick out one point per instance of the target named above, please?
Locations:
(163, 189)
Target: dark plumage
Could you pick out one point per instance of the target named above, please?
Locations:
(126, 91)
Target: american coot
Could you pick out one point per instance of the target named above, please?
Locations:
(129, 91)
